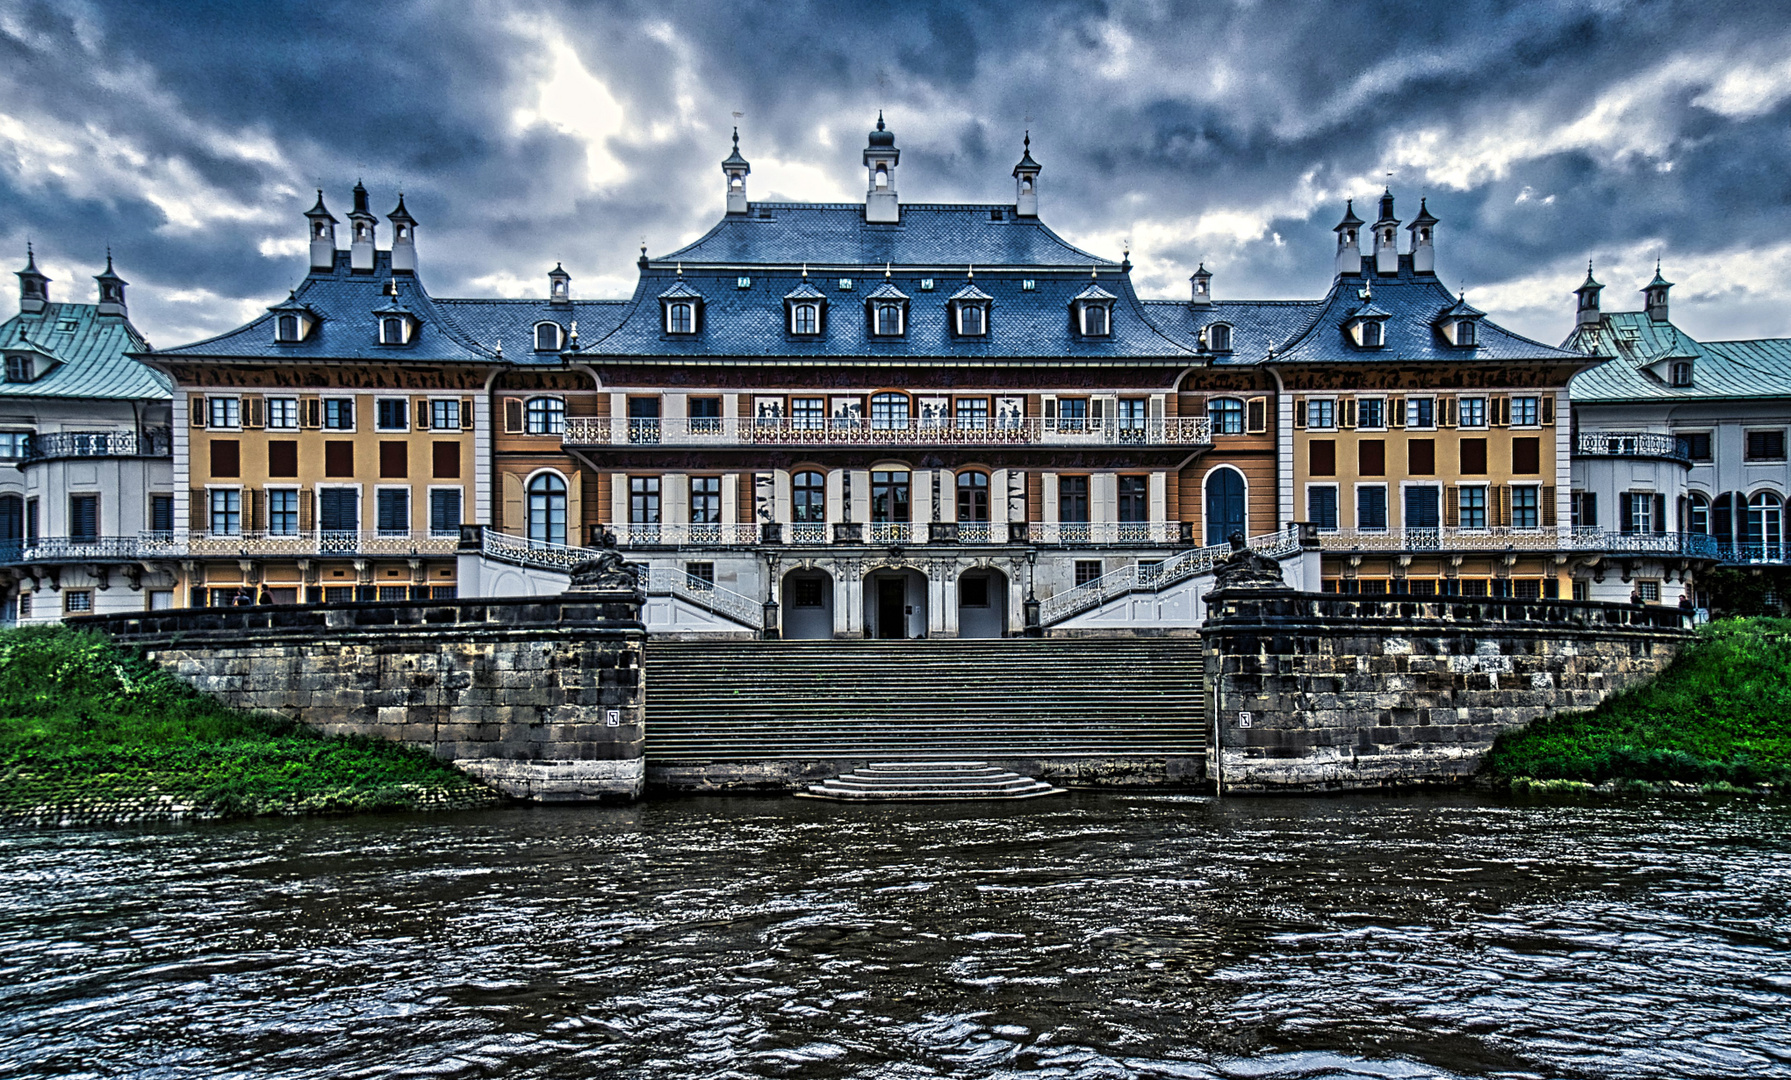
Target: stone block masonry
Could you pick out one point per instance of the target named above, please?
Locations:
(542, 698)
(1315, 691)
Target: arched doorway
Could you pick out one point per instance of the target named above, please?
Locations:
(982, 603)
(1225, 513)
(895, 604)
(547, 509)
(807, 603)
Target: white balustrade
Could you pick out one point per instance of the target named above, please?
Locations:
(736, 431)
(1155, 578)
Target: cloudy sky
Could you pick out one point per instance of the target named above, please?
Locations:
(189, 136)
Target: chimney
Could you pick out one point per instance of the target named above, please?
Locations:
(1423, 229)
(736, 169)
(404, 239)
(1386, 238)
(1026, 182)
(321, 225)
(361, 228)
(1349, 241)
(881, 157)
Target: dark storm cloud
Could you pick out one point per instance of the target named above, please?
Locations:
(189, 134)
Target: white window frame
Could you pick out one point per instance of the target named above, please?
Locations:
(982, 315)
(323, 414)
(1410, 402)
(1331, 422)
(671, 309)
(280, 324)
(1361, 401)
(1535, 406)
(429, 513)
(387, 322)
(1106, 311)
(548, 426)
(287, 404)
(437, 403)
(878, 309)
(1461, 506)
(1218, 337)
(559, 336)
(797, 309)
(1356, 506)
(298, 523)
(1537, 488)
(211, 493)
(232, 407)
(403, 403)
(1461, 413)
(1362, 334)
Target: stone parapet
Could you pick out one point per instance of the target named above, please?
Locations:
(1315, 691)
(543, 699)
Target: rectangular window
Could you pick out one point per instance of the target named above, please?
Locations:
(338, 414)
(1321, 506)
(1227, 416)
(77, 601)
(1526, 589)
(1526, 507)
(1321, 457)
(1134, 502)
(1584, 507)
(1766, 445)
(889, 495)
(1526, 411)
(1421, 510)
(808, 413)
(1371, 413)
(1638, 512)
(445, 460)
(338, 594)
(444, 592)
(282, 458)
(1321, 414)
(805, 592)
(394, 592)
(394, 460)
(83, 518)
(1649, 591)
(444, 414)
(1131, 414)
(226, 457)
(392, 505)
(1371, 457)
(282, 412)
(705, 500)
(705, 415)
(973, 591)
(1087, 570)
(444, 513)
(1473, 457)
(1473, 412)
(226, 512)
(161, 514)
(282, 512)
(972, 413)
(339, 510)
(18, 369)
(225, 412)
(31, 533)
(1072, 499)
(391, 414)
(1421, 457)
(1526, 456)
(1473, 507)
(14, 444)
(1371, 508)
(1421, 413)
(643, 500)
(1072, 414)
(703, 572)
(1695, 445)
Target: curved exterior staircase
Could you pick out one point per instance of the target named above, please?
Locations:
(928, 781)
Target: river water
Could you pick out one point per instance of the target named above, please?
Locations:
(1090, 936)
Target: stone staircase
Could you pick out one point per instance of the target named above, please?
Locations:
(1009, 699)
(928, 781)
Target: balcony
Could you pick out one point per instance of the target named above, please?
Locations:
(1442, 539)
(1630, 444)
(58, 445)
(1687, 545)
(60, 549)
(585, 431)
(308, 544)
(886, 533)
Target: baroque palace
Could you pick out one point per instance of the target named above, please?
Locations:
(880, 419)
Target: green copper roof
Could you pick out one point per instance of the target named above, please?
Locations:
(92, 350)
(1720, 369)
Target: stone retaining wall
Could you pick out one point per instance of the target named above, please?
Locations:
(1315, 691)
(542, 698)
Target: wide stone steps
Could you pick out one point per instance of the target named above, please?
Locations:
(935, 781)
(932, 700)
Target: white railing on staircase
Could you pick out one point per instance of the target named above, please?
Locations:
(1154, 577)
(659, 580)
(538, 553)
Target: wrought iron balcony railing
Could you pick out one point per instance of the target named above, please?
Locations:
(1443, 539)
(311, 543)
(1158, 576)
(155, 442)
(1630, 444)
(587, 431)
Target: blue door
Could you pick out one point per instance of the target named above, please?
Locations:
(1224, 506)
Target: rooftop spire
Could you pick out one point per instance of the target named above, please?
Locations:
(1026, 181)
(34, 290)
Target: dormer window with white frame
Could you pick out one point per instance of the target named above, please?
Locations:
(1218, 338)
(549, 337)
(680, 318)
(805, 309)
(287, 328)
(1091, 312)
(394, 330)
(292, 322)
(19, 368)
(969, 309)
(1370, 334)
(1682, 373)
(888, 319)
(1460, 324)
(887, 309)
(682, 309)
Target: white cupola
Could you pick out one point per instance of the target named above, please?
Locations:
(881, 158)
(362, 226)
(559, 285)
(735, 168)
(1026, 181)
(320, 224)
(1386, 238)
(1588, 314)
(1202, 280)
(1349, 241)
(404, 239)
(1424, 233)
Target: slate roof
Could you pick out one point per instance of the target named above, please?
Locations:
(1412, 302)
(1257, 326)
(1721, 370)
(836, 234)
(447, 330)
(749, 324)
(94, 354)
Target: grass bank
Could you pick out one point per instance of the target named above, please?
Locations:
(1721, 714)
(91, 733)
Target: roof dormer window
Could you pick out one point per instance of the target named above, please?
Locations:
(1460, 324)
(1091, 312)
(19, 369)
(1218, 338)
(1682, 373)
(970, 311)
(888, 320)
(1466, 335)
(682, 308)
(548, 336)
(1370, 334)
(805, 317)
(287, 328)
(394, 330)
(887, 307)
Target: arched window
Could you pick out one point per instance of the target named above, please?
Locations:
(971, 320)
(882, 177)
(680, 318)
(1682, 373)
(889, 412)
(805, 318)
(547, 336)
(288, 328)
(1095, 322)
(888, 320)
(1218, 337)
(808, 496)
(973, 497)
(391, 330)
(1765, 526)
(1227, 415)
(1371, 334)
(1465, 333)
(1225, 509)
(1697, 515)
(546, 416)
(547, 509)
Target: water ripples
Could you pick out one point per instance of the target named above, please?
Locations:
(1100, 936)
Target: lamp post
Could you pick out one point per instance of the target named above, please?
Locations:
(771, 632)
(1033, 629)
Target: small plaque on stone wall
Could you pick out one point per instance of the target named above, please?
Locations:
(1244, 719)
(614, 718)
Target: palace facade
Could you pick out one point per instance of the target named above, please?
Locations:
(894, 419)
